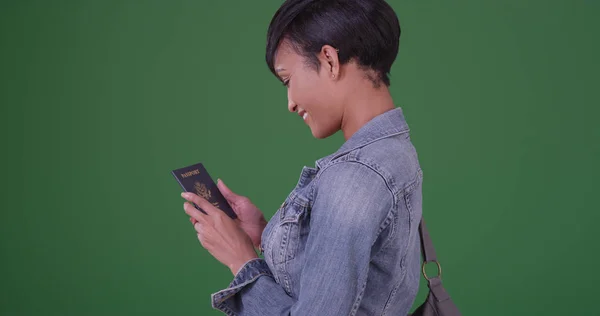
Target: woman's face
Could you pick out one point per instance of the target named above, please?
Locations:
(312, 95)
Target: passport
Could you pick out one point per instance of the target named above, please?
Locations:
(196, 179)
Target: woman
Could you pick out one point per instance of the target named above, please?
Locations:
(345, 241)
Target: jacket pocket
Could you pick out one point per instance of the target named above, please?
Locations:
(286, 236)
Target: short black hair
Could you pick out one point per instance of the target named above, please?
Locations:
(365, 30)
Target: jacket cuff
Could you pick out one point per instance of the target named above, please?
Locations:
(250, 272)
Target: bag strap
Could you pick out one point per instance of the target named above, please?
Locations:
(426, 245)
(444, 304)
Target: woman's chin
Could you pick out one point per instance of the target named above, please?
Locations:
(320, 134)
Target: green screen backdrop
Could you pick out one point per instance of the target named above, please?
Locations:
(100, 100)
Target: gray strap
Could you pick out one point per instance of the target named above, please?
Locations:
(435, 284)
(442, 304)
(426, 244)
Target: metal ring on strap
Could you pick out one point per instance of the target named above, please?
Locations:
(439, 275)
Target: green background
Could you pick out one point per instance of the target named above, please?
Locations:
(100, 100)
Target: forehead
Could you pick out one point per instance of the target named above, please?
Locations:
(285, 57)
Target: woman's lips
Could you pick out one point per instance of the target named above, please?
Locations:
(303, 114)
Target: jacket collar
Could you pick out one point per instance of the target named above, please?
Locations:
(389, 123)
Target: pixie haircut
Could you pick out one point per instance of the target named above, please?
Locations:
(367, 31)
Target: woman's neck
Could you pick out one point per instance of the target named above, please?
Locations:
(362, 105)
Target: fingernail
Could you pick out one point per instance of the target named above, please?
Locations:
(183, 194)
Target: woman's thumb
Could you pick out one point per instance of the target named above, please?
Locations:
(227, 193)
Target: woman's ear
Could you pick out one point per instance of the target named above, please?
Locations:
(330, 60)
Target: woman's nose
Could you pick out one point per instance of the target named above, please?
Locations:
(292, 107)
(291, 104)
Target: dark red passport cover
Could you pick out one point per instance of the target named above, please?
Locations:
(196, 179)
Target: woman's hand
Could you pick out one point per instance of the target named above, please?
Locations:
(219, 234)
(251, 219)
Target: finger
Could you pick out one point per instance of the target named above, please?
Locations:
(202, 236)
(192, 211)
(227, 193)
(198, 227)
(201, 240)
(202, 203)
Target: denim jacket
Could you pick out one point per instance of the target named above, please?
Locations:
(345, 241)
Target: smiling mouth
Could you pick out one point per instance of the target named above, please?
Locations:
(303, 114)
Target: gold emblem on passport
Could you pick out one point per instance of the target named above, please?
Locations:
(195, 179)
(204, 192)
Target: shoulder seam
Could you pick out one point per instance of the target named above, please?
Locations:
(390, 214)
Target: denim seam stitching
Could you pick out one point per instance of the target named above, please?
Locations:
(390, 213)
(359, 297)
(394, 291)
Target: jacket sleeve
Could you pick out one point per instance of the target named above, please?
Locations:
(350, 206)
